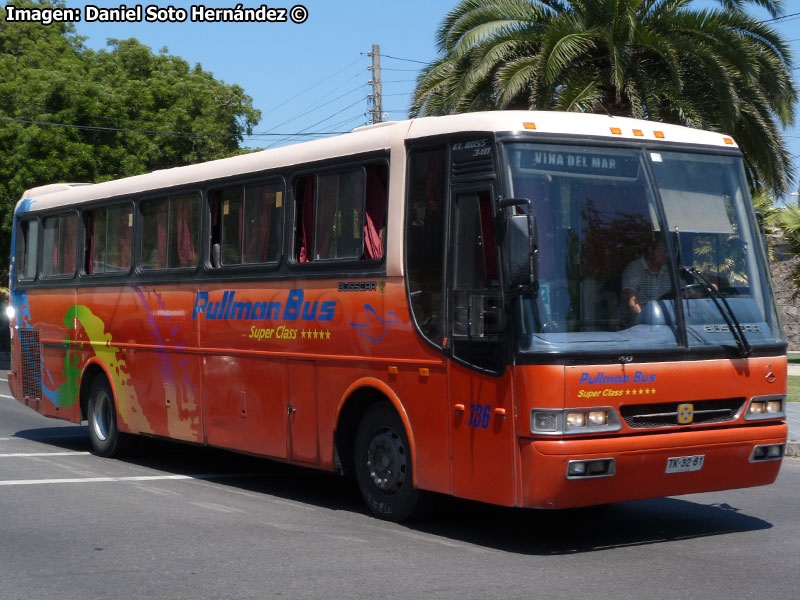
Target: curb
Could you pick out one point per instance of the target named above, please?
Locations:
(792, 449)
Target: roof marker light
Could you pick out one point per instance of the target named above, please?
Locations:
(616, 131)
(529, 125)
(638, 133)
(659, 134)
(728, 141)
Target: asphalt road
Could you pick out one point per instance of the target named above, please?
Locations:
(176, 521)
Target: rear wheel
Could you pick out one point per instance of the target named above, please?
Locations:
(383, 466)
(102, 415)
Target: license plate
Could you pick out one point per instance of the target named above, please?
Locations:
(682, 464)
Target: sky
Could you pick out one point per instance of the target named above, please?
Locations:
(313, 77)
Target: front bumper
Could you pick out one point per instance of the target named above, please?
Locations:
(640, 463)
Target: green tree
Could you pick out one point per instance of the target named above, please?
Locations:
(69, 113)
(718, 69)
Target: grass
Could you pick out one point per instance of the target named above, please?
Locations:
(793, 388)
(794, 359)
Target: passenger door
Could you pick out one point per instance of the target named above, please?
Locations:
(480, 386)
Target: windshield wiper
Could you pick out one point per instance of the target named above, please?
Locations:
(727, 313)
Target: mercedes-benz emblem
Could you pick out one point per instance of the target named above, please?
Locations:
(769, 375)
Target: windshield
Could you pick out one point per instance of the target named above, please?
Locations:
(607, 279)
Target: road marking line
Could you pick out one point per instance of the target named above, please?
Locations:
(8, 439)
(11, 482)
(216, 507)
(9, 397)
(30, 454)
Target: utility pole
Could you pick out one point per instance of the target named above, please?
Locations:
(375, 82)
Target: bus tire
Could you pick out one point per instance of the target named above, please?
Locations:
(104, 435)
(383, 466)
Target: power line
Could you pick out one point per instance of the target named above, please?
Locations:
(781, 18)
(337, 113)
(422, 62)
(311, 87)
(310, 109)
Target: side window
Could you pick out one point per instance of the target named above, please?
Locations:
(171, 232)
(425, 239)
(108, 239)
(59, 243)
(27, 246)
(341, 215)
(246, 224)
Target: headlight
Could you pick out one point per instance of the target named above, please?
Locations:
(10, 312)
(573, 421)
(576, 419)
(766, 407)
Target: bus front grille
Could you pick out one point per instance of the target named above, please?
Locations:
(665, 414)
(31, 363)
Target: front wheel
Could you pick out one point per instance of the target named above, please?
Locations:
(383, 466)
(104, 435)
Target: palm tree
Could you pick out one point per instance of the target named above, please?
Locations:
(718, 69)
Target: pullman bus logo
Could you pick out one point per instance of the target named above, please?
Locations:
(685, 413)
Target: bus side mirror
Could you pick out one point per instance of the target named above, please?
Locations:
(522, 250)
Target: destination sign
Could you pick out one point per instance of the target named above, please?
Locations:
(582, 163)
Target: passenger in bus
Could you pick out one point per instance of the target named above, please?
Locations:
(644, 279)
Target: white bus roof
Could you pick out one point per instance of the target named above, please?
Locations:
(382, 136)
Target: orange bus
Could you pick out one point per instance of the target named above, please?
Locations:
(528, 309)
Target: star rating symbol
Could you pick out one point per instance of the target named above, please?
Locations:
(327, 334)
(634, 392)
(653, 390)
(627, 392)
(303, 333)
(316, 334)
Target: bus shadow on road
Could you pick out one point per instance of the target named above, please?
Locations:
(70, 437)
(522, 531)
(591, 529)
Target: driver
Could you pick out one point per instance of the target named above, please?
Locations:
(644, 279)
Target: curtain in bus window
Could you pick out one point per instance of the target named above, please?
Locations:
(259, 203)
(232, 226)
(50, 260)
(91, 236)
(338, 222)
(70, 239)
(124, 233)
(185, 225)
(118, 239)
(60, 233)
(159, 261)
(307, 220)
(30, 237)
(326, 212)
(375, 217)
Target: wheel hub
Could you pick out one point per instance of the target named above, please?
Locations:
(386, 460)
